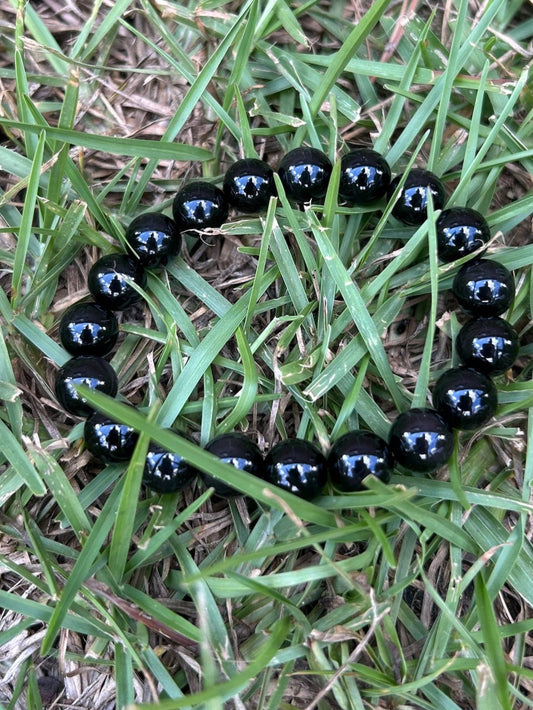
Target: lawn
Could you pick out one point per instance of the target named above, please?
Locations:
(295, 322)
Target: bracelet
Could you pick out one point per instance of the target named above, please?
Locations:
(420, 440)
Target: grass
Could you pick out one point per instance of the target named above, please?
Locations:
(293, 323)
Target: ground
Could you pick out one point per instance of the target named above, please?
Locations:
(411, 595)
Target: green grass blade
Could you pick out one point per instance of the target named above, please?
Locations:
(14, 453)
(494, 675)
(38, 548)
(22, 88)
(361, 317)
(489, 533)
(203, 355)
(422, 382)
(255, 289)
(227, 689)
(432, 100)
(27, 221)
(106, 26)
(42, 35)
(507, 111)
(349, 47)
(214, 636)
(475, 123)
(157, 610)
(127, 506)
(123, 675)
(82, 567)
(66, 120)
(11, 392)
(40, 340)
(288, 270)
(247, 396)
(197, 91)
(137, 147)
(452, 69)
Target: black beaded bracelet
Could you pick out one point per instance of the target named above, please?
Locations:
(421, 439)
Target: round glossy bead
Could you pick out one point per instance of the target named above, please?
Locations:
(249, 185)
(421, 440)
(489, 345)
(411, 205)
(465, 398)
(108, 440)
(236, 449)
(356, 455)
(166, 471)
(365, 176)
(93, 372)
(296, 466)
(484, 287)
(305, 174)
(460, 231)
(154, 238)
(110, 281)
(88, 329)
(199, 205)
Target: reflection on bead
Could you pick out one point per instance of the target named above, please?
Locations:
(489, 345)
(296, 466)
(88, 329)
(421, 440)
(305, 174)
(484, 287)
(365, 176)
(460, 231)
(199, 205)
(356, 455)
(465, 398)
(165, 471)
(249, 185)
(93, 372)
(411, 205)
(154, 238)
(236, 449)
(110, 281)
(108, 440)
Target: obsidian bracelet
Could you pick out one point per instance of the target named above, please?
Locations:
(421, 439)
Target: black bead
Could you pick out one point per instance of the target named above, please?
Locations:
(356, 455)
(365, 176)
(110, 281)
(411, 205)
(154, 238)
(199, 205)
(93, 372)
(166, 471)
(421, 440)
(108, 440)
(465, 398)
(296, 466)
(88, 329)
(249, 185)
(484, 287)
(305, 174)
(236, 449)
(460, 231)
(489, 345)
